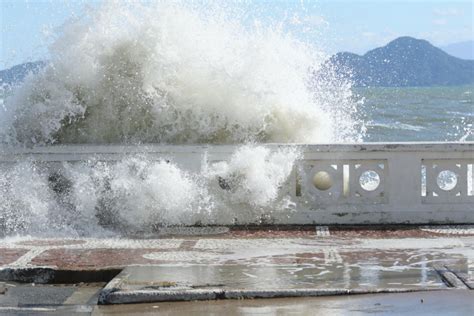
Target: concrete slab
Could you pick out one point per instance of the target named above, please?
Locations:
(34, 299)
(466, 276)
(161, 283)
(446, 303)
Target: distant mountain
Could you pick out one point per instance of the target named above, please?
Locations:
(463, 50)
(17, 73)
(405, 61)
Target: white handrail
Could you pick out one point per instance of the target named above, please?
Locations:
(330, 182)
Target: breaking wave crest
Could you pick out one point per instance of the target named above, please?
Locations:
(141, 194)
(176, 74)
(172, 73)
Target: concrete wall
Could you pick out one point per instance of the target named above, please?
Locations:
(327, 184)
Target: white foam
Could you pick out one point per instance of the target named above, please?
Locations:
(89, 197)
(25, 199)
(171, 73)
(167, 73)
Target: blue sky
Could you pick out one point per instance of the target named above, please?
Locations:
(355, 26)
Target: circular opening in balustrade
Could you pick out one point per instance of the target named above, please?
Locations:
(322, 180)
(447, 180)
(369, 180)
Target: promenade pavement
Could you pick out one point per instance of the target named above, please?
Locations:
(242, 263)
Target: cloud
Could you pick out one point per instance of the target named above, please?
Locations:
(440, 21)
(447, 12)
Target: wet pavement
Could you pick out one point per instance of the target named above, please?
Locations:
(198, 282)
(389, 247)
(309, 258)
(227, 277)
(446, 303)
(81, 299)
(58, 299)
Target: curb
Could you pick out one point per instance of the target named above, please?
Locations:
(111, 295)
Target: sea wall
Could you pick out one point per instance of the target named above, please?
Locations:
(366, 183)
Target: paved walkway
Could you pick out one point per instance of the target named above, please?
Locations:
(309, 259)
(81, 299)
(375, 249)
(444, 303)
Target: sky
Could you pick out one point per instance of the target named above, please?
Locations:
(333, 26)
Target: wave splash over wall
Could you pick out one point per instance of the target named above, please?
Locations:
(174, 74)
(140, 194)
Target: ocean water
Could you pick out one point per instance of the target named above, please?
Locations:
(408, 114)
(417, 113)
(173, 73)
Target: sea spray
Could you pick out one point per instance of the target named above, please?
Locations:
(25, 199)
(254, 174)
(140, 194)
(167, 73)
(170, 73)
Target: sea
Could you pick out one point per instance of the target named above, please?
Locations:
(407, 114)
(413, 114)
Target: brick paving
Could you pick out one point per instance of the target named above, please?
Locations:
(8, 256)
(90, 258)
(255, 245)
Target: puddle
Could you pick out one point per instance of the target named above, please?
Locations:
(329, 272)
(341, 276)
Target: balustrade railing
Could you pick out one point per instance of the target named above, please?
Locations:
(366, 183)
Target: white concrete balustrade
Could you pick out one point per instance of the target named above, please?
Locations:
(366, 183)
